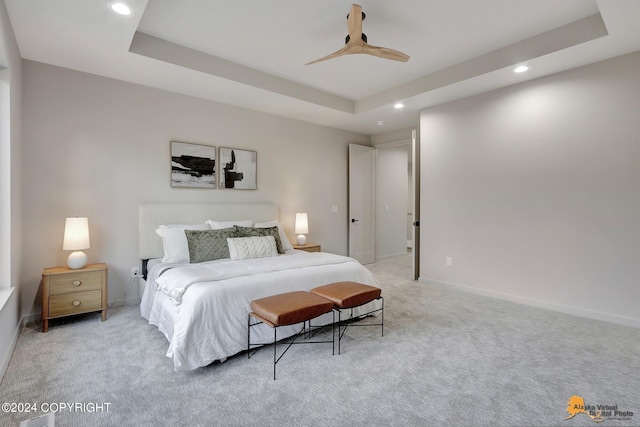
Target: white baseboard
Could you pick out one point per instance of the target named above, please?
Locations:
(28, 319)
(129, 301)
(576, 311)
(6, 356)
(401, 254)
(8, 315)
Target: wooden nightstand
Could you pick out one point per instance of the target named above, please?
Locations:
(308, 247)
(66, 292)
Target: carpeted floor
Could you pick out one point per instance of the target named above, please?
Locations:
(447, 358)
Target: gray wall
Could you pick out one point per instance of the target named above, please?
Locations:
(534, 190)
(98, 147)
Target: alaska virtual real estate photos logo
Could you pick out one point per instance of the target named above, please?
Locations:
(597, 413)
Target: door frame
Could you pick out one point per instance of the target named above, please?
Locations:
(415, 249)
(414, 143)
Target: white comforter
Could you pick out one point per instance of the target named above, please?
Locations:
(202, 308)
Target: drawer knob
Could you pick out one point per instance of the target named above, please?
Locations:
(76, 283)
(76, 303)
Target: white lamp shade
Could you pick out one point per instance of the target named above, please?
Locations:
(76, 234)
(302, 224)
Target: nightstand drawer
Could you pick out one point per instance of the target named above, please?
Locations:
(75, 282)
(79, 302)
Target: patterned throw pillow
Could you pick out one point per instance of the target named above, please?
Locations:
(174, 242)
(286, 244)
(208, 245)
(252, 247)
(267, 231)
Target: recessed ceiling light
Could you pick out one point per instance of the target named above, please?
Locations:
(520, 69)
(121, 8)
(398, 106)
(380, 122)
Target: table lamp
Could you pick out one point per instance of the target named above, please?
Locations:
(76, 238)
(301, 228)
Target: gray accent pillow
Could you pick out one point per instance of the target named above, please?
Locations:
(267, 231)
(208, 245)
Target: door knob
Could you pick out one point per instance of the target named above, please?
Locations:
(354, 220)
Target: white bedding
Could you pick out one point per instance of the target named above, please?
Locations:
(208, 321)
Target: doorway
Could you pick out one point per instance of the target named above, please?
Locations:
(392, 166)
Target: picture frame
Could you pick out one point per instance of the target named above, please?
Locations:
(238, 169)
(193, 165)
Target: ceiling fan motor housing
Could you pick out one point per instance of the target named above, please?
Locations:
(364, 38)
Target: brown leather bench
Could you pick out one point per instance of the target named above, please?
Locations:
(349, 295)
(285, 309)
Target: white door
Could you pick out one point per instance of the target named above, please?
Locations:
(362, 209)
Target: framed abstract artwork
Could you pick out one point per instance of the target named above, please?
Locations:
(193, 165)
(238, 169)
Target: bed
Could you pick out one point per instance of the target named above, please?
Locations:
(202, 307)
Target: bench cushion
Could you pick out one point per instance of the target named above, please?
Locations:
(348, 294)
(290, 308)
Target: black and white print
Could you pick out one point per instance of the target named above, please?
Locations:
(238, 169)
(193, 165)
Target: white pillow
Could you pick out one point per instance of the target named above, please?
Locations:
(252, 247)
(286, 245)
(218, 225)
(174, 241)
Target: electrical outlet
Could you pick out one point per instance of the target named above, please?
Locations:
(449, 261)
(135, 271)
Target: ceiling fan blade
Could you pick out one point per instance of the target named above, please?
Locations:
(343, 51)
(386, 53)
(354, 22)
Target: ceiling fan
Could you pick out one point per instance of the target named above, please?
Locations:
(356, 41)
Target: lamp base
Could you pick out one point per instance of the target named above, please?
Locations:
(76, 260)
(301, 239)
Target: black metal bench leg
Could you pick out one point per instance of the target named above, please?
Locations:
(339, 329)
(382, 317)
(333, 333)
(302, 333)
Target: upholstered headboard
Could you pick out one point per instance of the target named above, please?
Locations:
(152, 215)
